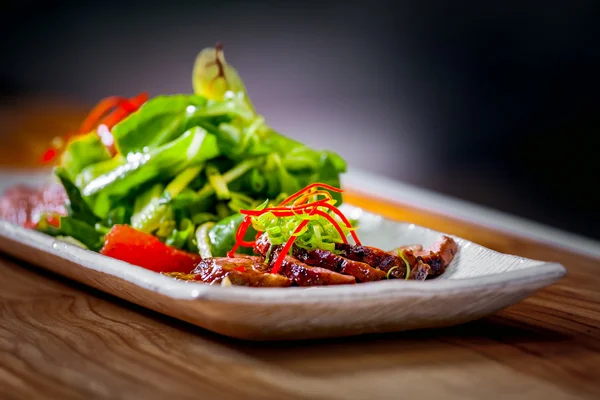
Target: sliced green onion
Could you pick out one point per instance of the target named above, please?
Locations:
(229, 176)
(328, 246)
(257, 181)
(215, 179)
(71, 240)
(101, 228)
(274, 230)
(202, 239)
(200, 218)
(403, 257)
(241, 169)
(268, 256)
(240, 201)
(390, 271)
(317, 232)
(179, 237)
(182, 180)
(165, 229)
(222, 210)
(152, 205)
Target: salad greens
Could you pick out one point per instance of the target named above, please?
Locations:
(185, 165)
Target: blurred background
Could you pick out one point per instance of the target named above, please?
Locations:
(491, 102)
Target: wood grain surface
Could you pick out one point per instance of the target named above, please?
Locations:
(62, 340)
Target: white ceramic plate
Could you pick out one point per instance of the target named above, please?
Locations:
(478, 282)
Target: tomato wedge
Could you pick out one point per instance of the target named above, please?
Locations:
(139, 248)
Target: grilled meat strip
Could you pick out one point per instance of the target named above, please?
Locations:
(423, 263)
(376, 258)
(419, 271)
(240, 271)
(438, 256)
(299, 272)
(328, 260)
(305, 275)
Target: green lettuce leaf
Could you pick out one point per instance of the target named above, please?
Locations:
(165, 118)
(82, 152)
(77, 207)
(159, 121)
(222, 236)
(127, 175)
(79, 230)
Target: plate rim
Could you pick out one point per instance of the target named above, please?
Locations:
(537, 276)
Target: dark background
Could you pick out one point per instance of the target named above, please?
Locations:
(492, 102)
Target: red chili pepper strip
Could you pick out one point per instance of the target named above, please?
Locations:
(334, 223)
(231, 252)
(287, 247)
(257, 213)
(305, 196)
(54, 220)
(49, 155)
(345, 220)
(104, 106)
(239, 236)
(131, 105)
(298, 193)
(124, 108)
(277, 213)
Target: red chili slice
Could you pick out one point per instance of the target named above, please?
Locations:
(345, 221)
(284, 209)
(287, 247)
(98, 116)
(309, 187)
(100, 110)
(124, 108)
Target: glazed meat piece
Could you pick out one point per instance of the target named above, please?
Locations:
(438, 256)
(262, 244)
(376, 258)
(302, 274)
(419, 271)
(326, 259)
(239, 271)
(305, 275)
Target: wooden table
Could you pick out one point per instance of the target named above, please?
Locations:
(62, 340)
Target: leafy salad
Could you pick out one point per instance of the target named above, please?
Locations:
(179, 167)
(200, 188)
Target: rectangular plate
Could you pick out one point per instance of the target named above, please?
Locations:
(478, 282)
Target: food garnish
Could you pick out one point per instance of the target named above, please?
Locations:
(296, 220)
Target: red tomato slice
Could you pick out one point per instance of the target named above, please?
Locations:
(139, 248)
